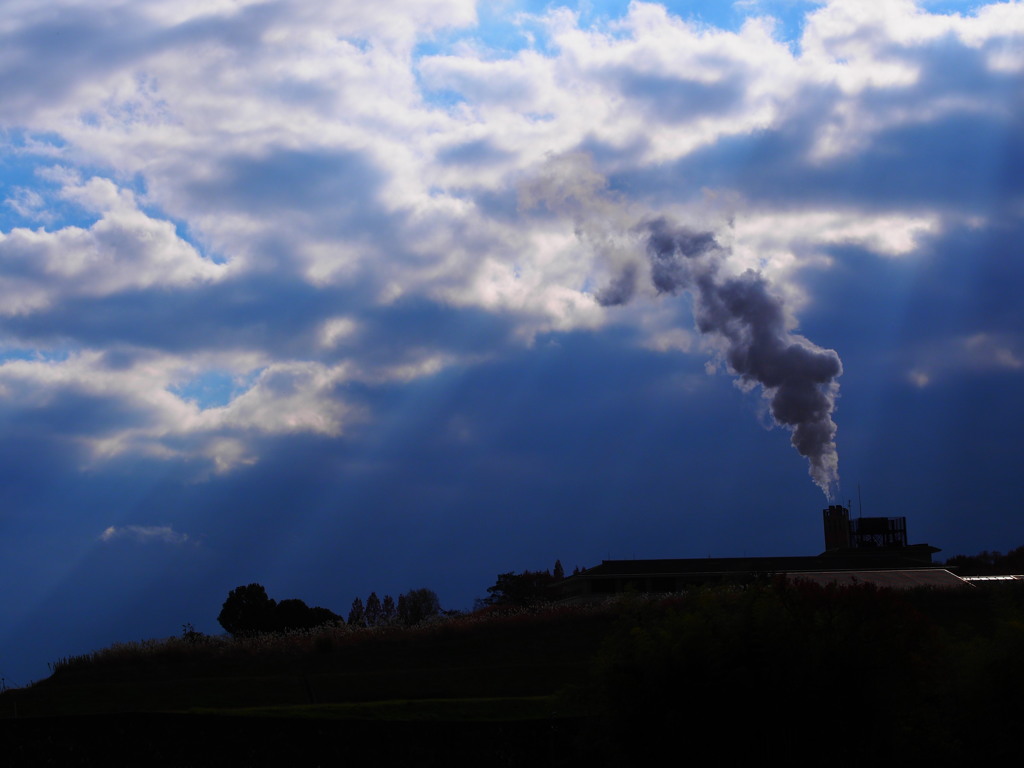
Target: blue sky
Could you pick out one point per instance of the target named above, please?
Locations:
(342, 298)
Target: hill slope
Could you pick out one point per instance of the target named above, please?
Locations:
(777, 669)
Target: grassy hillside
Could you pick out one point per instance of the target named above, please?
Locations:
(500, 654)
(776, 669)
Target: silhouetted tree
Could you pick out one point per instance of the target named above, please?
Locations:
(357, 616)
(291, 614)
(320, 616)
(559, 573)
(418, 605)
(374, 611)
(389, 611)
(248, 610)
(295, 614)
(526, 588)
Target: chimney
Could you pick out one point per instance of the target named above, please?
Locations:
(837, 527)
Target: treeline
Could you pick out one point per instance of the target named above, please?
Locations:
(412, 608)
(249, 610)
(989, 563)
(523, 589)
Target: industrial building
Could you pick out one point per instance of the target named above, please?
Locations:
(862, 550)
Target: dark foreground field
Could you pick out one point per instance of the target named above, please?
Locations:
(770, 671)
(217, 740)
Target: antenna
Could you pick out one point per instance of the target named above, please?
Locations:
(860, 506)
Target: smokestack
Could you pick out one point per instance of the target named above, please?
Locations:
(836, 518)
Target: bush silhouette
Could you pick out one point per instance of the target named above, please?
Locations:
(418, 605)
(521, 589)
(248, 610)
(295, 614)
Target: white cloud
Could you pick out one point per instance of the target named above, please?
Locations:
(143, 534)
(29, 204)
(336, 330)
(979, 353)
(140, 414)
(987, 351)
(872, 50)
(776, 242)
(124, 250)
(285, 398)
(339, 174)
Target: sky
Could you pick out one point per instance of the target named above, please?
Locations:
(346, 297)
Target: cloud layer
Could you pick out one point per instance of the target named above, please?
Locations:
(266, 189)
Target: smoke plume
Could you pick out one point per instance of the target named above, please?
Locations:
(797, 376)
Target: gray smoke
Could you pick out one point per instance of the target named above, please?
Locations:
(798, 377)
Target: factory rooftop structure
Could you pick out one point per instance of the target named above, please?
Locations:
(870, 550)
